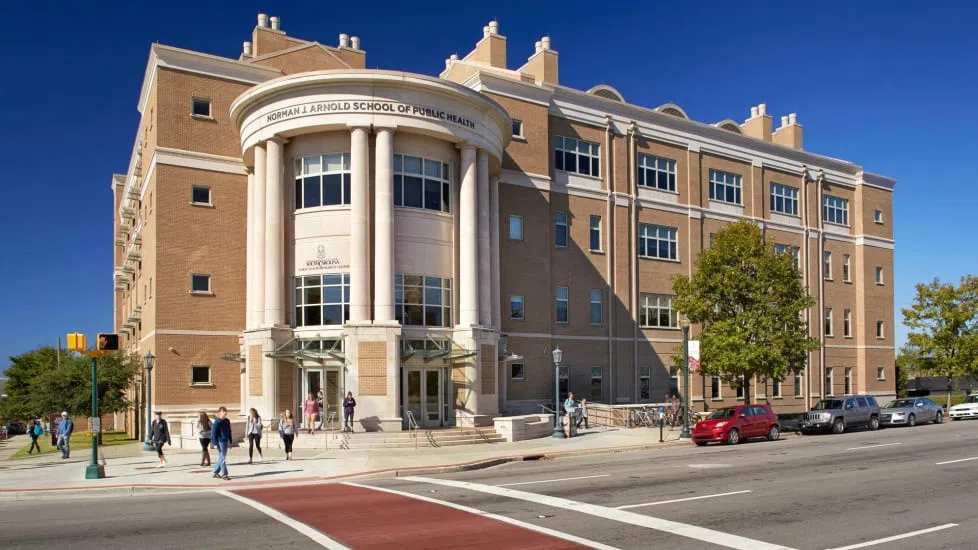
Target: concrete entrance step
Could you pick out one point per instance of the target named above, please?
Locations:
(447, 437)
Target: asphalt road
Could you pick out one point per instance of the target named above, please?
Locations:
(816, 492)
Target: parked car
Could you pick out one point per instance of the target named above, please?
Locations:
(16, 428)
(968, 409)
(731, 425)
(911, 410)
(838, 415)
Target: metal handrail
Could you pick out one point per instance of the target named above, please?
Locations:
(413, 428)
(545, 408)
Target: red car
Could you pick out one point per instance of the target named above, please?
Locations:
(732, 425)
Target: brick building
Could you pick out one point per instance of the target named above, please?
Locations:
(291, 222)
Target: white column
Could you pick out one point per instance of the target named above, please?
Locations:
(494, 253)
(468, 271)
(250, 254)
(485, 288)
(384, 227)
(258, 228)
(359, 165)
(274, 235)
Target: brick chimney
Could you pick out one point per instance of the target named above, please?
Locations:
(789, 134)
(542, 64)
(759, 124)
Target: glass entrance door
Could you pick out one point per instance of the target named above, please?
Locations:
(312, 383)
(424, 397)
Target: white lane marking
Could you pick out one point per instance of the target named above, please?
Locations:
(958, 460)
(504, 519)
(872, 446)
(896, 537)
(623, 516)
(549, 480)
(627, 506)
(306, 530)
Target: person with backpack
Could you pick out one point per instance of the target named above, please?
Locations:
(204, 435)
(349, 404)
(221, 438)
(64, 435)
(160, 435)
(36, 430)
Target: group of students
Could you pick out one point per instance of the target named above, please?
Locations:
(314, 408)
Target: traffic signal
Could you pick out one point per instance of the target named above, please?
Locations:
(108, 342)
(76, 342)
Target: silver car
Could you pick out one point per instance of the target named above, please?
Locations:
(911, 411)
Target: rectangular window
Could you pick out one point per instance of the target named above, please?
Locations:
(845, 269)
(784, 199)
(644, 383)
(200, 375)
(560, 228)
(656, 311)
(562, 304)
(828, 321)
(200, 194)
(878, 216)
(577, 156)
(597, 310)
(776, 388)
(517, 128)
(880, 373)
(725, 187)
(712, 236)
(595, 384)
(879, 275)
(422, 183)
(829, 390)
(835, 210)
(847, 323)
(657, 241)
(201, 107)
(797, 385)
(595, 235)
(788, 249)
(563, 383)
(880, 333)
(716, 388)
(848, 386)
(740, 388)
(423, 301)
(517, 371)
(827, 260)
(516, 308)
(200, 283)
(516, 228)
(656, 172)
(322, 180)
(322, 300)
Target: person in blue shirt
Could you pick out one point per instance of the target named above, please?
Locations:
(221, 438)
(64, 435)
(570, 404)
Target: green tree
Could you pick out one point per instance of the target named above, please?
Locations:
(748, 300)
(943, 323)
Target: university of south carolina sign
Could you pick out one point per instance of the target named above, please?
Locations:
(316, 260)
(369, 107)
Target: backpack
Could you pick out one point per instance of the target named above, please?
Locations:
(38, 430)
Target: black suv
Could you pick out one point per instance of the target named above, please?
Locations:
(840, 414)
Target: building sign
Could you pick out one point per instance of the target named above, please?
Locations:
(369, 107)
(320, 258)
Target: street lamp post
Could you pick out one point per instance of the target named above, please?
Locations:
(94, 470)
(685, 433)
(558, 430)
(149, 359)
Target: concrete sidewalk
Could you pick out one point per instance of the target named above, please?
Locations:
(130, 470)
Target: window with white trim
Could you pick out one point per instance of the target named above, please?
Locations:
(848, 380)
(880, 330)
(322, 300)
(829, 382)
(595, 234)
(597, 309)
(740, 388)
(656, 172)
(200, 375)
(827, 260)
(797, 385)
(517, 309)
(880, 373)
(517, 371)
(788, 249)
(847, 323)
(784, 199)
(725, 186)
(562, 305)
(835, 210)
(644, 383)
(560, 229)
(716, 388)
(656, 311)
(423, 301)
(322, 180)
(516, 228)
(879, 275)
(200, 283)
(200, 194)
(577, 156)
(596, 380)
(518, 128)
(658, 241)
(878, 216)
(776, 388)
(200, 107)
(845, 269)
(828, 321)
(422, 183)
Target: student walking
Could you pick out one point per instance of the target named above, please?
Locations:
(64, 435)
(204, 434)
(253, 430)
(349, 404)
(160, 435)
(582, 413)
(321, 406)
(36, 430)
(309, 409)
(221, 438)
(287, 431)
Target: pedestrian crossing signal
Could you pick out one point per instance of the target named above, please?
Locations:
(108, 342)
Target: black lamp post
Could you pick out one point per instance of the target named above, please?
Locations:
(685, 433)
(149, 359)
(558, 430)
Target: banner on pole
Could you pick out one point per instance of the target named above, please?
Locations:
(694, 355)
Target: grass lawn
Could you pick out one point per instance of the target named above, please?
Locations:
(109, 439)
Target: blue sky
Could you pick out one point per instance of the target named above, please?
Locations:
(888, 85)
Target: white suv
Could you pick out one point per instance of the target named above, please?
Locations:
(968, 409)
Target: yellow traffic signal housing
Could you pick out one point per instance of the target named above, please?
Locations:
(77, 342)
(108, 342)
